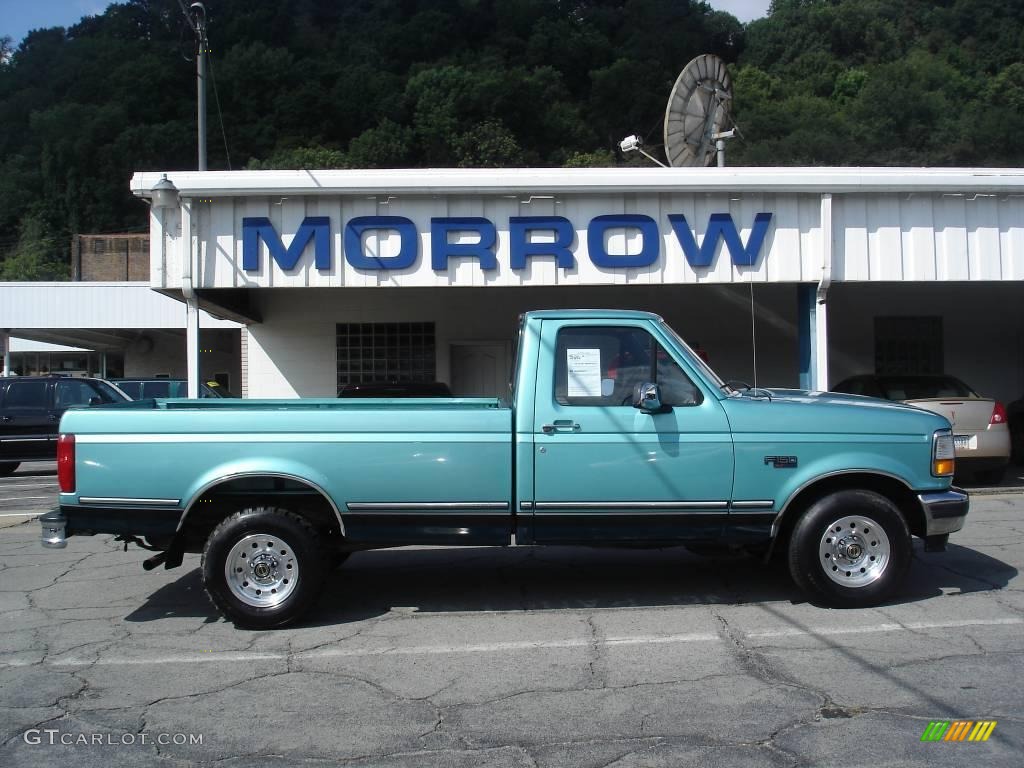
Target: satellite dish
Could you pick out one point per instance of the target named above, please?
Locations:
(698, 110)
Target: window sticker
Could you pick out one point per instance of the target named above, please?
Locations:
(584, 367)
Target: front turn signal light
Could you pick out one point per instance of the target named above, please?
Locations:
(943, 454)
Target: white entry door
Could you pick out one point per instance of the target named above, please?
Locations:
(480, 369)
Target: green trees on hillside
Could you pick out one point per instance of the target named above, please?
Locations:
(485, 83)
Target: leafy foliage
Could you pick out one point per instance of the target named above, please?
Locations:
(486, 83)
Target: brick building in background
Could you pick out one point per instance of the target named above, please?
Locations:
(110, 258)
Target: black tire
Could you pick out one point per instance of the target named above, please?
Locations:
(287, 546)
(822, 565)
(8, 467)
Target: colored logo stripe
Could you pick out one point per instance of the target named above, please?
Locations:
(958, 730)
(982, 730)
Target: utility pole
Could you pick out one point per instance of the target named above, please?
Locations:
(198, 11)
(197, 20)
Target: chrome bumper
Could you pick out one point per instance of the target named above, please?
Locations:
(944, 511)
(54, 533)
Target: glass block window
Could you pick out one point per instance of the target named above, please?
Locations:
(908, 345)
(385, 352)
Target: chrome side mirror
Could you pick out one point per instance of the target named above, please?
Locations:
(647, 397)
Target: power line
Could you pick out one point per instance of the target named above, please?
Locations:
(220, 114)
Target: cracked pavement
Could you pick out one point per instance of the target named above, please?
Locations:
(514, 657)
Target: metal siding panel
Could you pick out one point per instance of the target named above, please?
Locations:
(851, 260)
(983, 237)
(951, 239)
(918, 239)
(811, 237)
(885, 237)
(1011, 227)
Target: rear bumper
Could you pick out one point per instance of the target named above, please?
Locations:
(75, 520)
(944, 511)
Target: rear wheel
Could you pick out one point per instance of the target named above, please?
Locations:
(262, 567)
(8, 467)
(850, 549)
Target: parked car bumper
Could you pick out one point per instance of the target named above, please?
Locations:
(990, 445)
(944, 511)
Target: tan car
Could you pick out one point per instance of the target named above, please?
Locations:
(980, 432)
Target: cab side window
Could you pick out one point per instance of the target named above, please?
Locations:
(601, 366)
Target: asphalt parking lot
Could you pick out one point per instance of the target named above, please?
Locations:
(513, 657)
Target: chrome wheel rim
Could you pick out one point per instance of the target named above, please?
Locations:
(854, 551)
(261, 570)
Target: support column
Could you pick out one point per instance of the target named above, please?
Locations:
(5, 349)
(812, 312)
(103, 365)
(820, 345)
(807, 328)
(192, 345)
(191, 300)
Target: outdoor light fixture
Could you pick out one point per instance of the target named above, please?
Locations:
(164, 194)
(634, 143)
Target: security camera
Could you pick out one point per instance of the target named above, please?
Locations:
(630, 143)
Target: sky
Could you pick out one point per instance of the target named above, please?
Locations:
(18, 17)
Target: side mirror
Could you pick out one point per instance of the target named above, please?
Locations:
(95, 401)
(647, 397)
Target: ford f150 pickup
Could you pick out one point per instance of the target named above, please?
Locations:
(616, 434)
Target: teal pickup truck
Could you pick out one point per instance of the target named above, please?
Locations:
(616, 434)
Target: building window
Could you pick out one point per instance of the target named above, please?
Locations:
(385, 352)
(908, 345)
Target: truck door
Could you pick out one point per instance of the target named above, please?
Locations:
(605, 471)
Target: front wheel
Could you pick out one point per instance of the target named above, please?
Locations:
(262, 567)
(851, 549)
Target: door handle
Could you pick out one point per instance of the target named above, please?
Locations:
(7, 418)
(562, 425)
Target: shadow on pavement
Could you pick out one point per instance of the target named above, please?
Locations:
(552, 578)
(182, 598)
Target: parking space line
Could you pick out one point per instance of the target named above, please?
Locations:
(509, 646)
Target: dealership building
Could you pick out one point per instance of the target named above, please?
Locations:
(793, 277)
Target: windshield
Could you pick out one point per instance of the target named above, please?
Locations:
(697, 360)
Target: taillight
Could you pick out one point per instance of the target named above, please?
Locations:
(66, 463)
(998, 414)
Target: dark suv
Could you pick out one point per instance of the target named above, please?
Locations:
(148, 389)
(30, 411)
